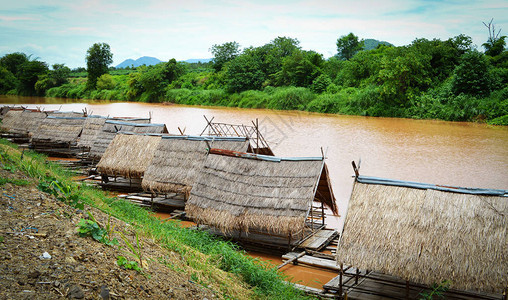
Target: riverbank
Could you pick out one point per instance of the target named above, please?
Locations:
(42, 209)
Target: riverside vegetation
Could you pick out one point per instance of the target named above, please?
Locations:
(212, 265)
(427, 79)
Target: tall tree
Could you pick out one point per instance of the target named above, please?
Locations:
(98, 58)
(349, 45)
(224, 53)
(13, 61)
(495, 44)
(28, 75)
(472, 75)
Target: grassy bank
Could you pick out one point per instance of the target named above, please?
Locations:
(214, 262)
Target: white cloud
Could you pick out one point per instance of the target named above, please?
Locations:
(187, 29)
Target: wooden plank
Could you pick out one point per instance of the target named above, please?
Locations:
(291, 260)
(319, 240)
(314, 261)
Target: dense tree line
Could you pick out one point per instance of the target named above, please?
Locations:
(436, 79)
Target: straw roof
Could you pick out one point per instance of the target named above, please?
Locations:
(59, 129)
(91, 128)
(110, 129)
(178, 159)
(4, 110)
(248, 191)
(128, 155)
(10, 122)
(428, 234)
(32, 120)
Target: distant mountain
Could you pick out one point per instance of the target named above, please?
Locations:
(150, 61)
(145, 60)
(370, 44)
(196, 60)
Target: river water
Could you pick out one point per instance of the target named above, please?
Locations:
(448, 153)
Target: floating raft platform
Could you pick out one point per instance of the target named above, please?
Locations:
(360, 284)
(168, 203)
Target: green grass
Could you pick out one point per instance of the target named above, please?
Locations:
(19, 182)
(217, 262)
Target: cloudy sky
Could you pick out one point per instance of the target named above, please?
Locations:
(62, 31)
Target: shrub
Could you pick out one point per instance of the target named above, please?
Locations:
(291, 98)
(105, 82)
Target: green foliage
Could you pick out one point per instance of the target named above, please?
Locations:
(13, 61)
(105, 82)
(2, 239)
(128, 264)
(244, 73)
(64, 191)
(19, 182)
(321, 83)
(28, 75)
(98, 58)
(224, 53)
(348, 46)
(299, 69)
(503, 120)
(472, 75)
(403, 74)
(8, 81)
(437, 290)
(92, 229)
(291, 98)
(133, 250)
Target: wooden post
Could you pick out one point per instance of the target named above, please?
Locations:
(340, 280)
(289, 241)
(312, 216)
(357, 173)
(356, 277)
(257, 136)
(151, 198)
(323, 213)
(407, 289)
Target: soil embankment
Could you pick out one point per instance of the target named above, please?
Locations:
(42, 256)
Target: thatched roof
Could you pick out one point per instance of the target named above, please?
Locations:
(128, 155)
(91, 128)
(240, 191)
(110, 129)
(10, 122)
(426, 233)
(178, 160)
(59, 129)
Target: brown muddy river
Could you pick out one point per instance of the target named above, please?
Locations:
(447, 153)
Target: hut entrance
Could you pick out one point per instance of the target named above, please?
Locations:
(258, 144)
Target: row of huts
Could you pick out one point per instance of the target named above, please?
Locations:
(224, 186)
(421, 233)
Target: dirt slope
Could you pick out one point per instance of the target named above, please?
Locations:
(32, 223)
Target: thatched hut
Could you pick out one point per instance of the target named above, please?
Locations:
(128, 155)
(245, 192)
(94, 124)
(178, 160)
(110, 129)
(59, 129)
(427, 233)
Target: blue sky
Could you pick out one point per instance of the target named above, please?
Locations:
(62, 31)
